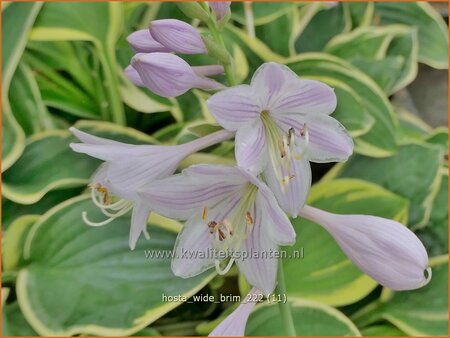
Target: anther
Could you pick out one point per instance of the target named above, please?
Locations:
(205, 213)
(249, 218)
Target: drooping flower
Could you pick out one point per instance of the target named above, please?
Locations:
(384, 249)
(168, 75)
(281, 123)
(178, 36)
(234, 324)
(220, 8)
(127, 167)
(230, 213)
(143, 42)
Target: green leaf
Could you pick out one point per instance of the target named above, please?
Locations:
(84, 280)
(48, 163)
(413, 172)
(361, 13)
(97, 22)
(14, 241)
(11, 210)
(422, 312)
(14, 323)
(263, 13)
(432, 29)
(26, 102)
(322, 27)
(388, 54)
(277, 33)
(325, 274)
(435, 234)
(379, 141)
(310, 319)
(439, 136)
(382, 330)
(17, 20)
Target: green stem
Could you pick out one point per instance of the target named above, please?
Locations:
(285, 308)
(112, 86)
(228, 68)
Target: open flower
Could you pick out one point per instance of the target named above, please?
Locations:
(127, 167)
(384, 249)
(229, 212)
(234, 324)
(281, 123)
(168, 75)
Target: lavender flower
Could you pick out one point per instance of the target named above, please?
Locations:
(142, 42)
(168, 75)
(281, 123)
(220, 8)
(229, 212)
(177, 36)
(384, 249)
(128, 167)
(234, 324)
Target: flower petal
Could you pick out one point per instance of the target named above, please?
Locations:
(92, 139)
(292, 194)
(133, 76)
(256, 263)
(305, 97)
(384, 249)
(328, 139)
(234, 106)
(196, 188)
(234, 324)
(250, 146)
(281, 230)
(139, 218)
(192, 249)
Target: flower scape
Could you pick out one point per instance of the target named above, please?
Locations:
(271, 128)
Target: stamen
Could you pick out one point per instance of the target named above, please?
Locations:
(205, 213)
(221, 271)
(249, 218)
(95, 224)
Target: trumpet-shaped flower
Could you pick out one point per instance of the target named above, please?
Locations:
(143, 42)
(127, 167)
(281, 123)
(220, 8)
(230, 213)
(234, 324)
(168, 75)
(384, 249)
(177, 36)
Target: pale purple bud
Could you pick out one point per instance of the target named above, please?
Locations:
(169, 75)
(234, 324)
(178, 36)
(132, 75)
(384, 249)
(220, 8)
(142, 42)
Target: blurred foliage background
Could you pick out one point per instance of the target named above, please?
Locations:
(62, 66)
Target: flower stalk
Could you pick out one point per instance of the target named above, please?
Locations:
(285, 308)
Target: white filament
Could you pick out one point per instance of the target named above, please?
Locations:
(221, 271)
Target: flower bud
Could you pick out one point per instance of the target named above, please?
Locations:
(142, 42)
(132, 75)
(193, 10)
(178, 36)
(220, 8)
(168, 75)
(384, 249)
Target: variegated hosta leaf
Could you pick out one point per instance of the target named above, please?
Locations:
(83, 280)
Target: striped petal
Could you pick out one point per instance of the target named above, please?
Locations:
(251, 147)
